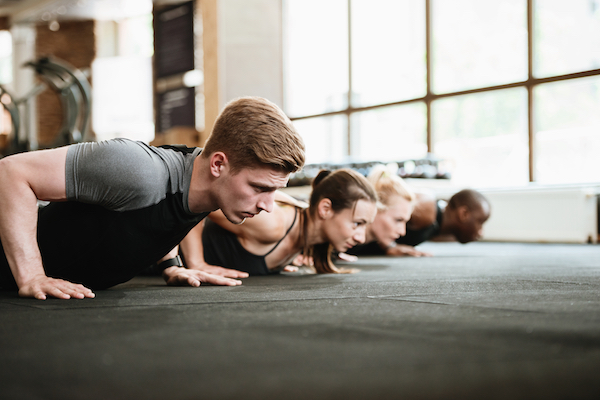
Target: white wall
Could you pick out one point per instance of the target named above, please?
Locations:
(544, 214)
(251, 49)
(537, 213)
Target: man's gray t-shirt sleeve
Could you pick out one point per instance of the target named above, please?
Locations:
(123, 175)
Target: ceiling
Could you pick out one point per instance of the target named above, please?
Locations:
(31, 11)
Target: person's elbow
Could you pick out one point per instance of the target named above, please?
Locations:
(10, 172)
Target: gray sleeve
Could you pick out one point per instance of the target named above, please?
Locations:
(118, 174)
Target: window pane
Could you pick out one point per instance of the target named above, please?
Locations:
(129, 114)
(483, 137)
(316, 56)
(478, 43)
(392, 133)
(324, 137)
(567, 124)
(388, 51)
(567, 36)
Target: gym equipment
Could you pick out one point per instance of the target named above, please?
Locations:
(75, 94)
(428, 167)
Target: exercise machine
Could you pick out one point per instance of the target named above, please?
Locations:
(75, 95)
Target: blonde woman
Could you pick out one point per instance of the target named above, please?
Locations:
(394, 209)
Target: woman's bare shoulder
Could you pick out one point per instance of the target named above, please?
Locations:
(284, 198)
(264, 227)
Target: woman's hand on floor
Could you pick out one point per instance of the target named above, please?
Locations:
(406, 250)
(347, 257)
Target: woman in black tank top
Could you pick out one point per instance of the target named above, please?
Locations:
(341, 205)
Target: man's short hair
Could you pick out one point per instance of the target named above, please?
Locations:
(472, 199)
(254, 132)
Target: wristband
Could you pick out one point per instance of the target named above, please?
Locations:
(171, 262)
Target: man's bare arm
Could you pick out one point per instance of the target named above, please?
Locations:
(25, 178)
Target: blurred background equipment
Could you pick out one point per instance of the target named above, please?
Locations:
(426, 168)
(74, 92)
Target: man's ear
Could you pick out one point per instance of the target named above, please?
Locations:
(218, 162)
(463, 213)
(324, 208)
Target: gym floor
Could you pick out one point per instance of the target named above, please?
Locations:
(483, 320)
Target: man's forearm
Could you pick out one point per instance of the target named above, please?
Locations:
(25, 178)
(192, 248)
(18, 229)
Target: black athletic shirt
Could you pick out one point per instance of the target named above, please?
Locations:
(128, 207)
(412, 237)
(222, 248)
(416, 237)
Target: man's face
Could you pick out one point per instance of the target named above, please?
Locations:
(250, 191)
(472, 227)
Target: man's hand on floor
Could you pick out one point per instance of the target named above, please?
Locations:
(220, 271)
(177, 276)
(43, 286)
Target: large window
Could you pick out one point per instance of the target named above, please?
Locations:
(504, 92)
(122, 73)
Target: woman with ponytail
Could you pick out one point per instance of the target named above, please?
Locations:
(394, 209)
(341, 205)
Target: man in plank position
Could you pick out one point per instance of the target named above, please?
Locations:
(118, 206)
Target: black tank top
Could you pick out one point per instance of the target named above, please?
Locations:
(415, 237)
(222, 248)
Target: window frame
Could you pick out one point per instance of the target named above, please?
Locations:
(529, 84)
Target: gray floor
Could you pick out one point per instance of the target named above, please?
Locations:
(483, 320)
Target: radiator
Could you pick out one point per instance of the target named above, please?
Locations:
(543, 214)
